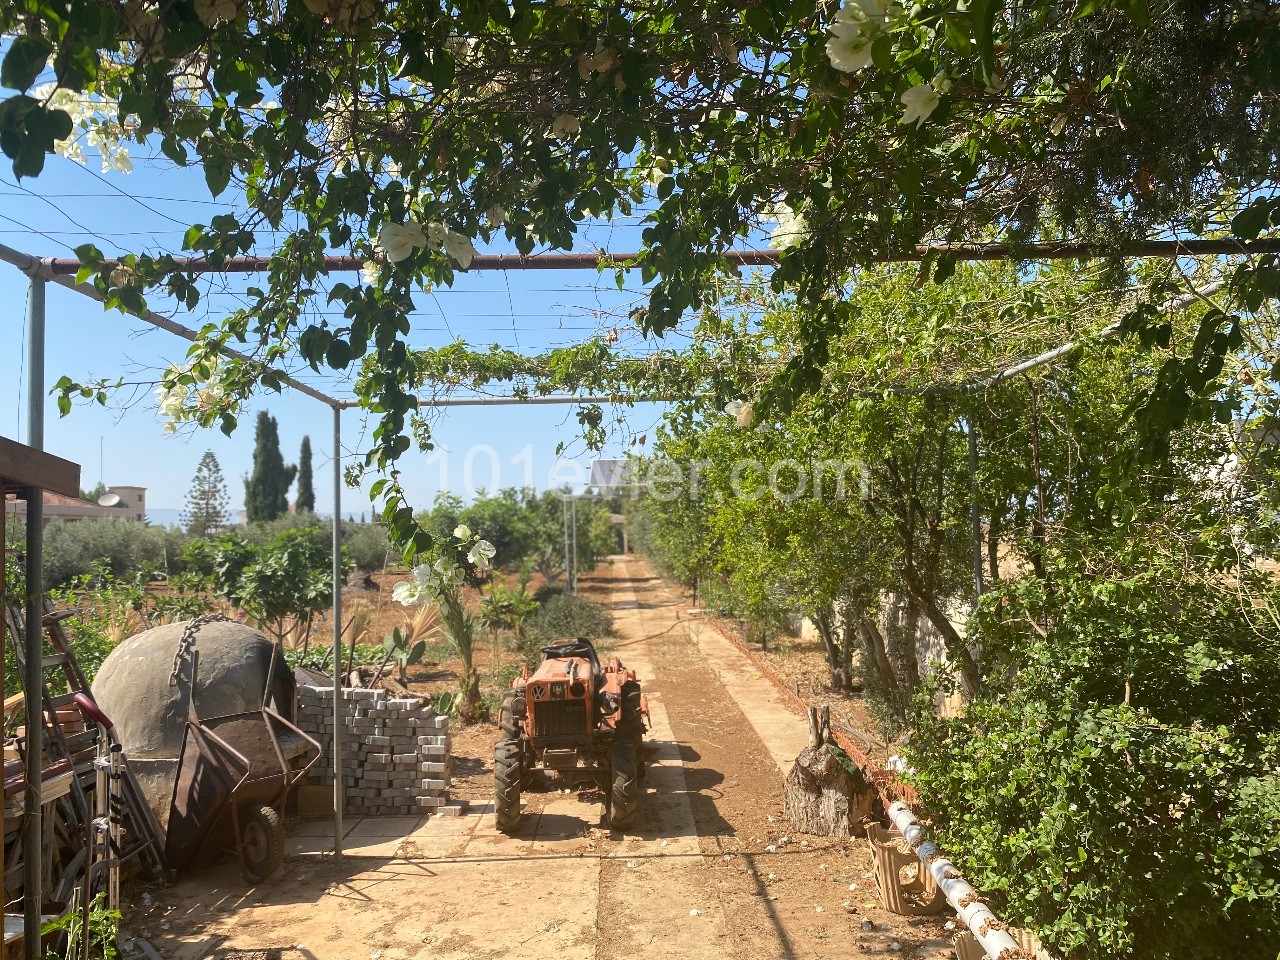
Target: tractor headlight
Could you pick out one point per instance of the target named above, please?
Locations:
(609, 703)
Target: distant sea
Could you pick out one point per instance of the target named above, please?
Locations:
(164, 517)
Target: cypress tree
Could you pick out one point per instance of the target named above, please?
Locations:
(306, 498)
(207, 500)
(266, 491)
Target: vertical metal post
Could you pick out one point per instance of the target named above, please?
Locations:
(975, 513)
(35, 363)
(575, 546)
(32, 685)
(33, 639)
(564, 504)
(338, 792)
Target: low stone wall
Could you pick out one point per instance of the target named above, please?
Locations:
(396, 754)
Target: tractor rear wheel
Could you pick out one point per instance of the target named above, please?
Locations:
(625, 795)
(507, 776)
(631, 722)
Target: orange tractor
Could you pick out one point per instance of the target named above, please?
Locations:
(572, 716)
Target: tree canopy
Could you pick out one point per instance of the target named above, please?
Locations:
(1109, 779)
(266, 489)
(407, 134)
(207, 500)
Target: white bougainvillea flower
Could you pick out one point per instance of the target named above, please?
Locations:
(462, 532)
(95, 122)
(791, 228)
(918, 103)
(658, 171)
(848, 47)
(462, 48)
(481, 554)
(601, 60)
(410, 593)
(565, 125)
(854, 29)
(371, 273)
(496, 214)
(460, 247)
(398, 240)
(436, 232)
(211, 12)
(176, 399)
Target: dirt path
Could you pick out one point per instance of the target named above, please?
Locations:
(708, 871)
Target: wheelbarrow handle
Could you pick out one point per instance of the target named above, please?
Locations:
(89, 710)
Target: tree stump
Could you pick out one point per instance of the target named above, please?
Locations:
(822, 796)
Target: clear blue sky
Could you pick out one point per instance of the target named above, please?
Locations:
(70, 204)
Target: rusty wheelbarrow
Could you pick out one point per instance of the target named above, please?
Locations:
(236, 771)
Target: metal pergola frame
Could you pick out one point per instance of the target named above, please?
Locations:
(62, 272)
(42, 271)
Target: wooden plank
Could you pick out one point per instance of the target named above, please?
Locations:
(23, 466)
(12, 703)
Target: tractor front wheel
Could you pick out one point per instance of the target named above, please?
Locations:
(631, 723)
(507, 777)
(625, 795)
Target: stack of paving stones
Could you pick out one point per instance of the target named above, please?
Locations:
(395, 755)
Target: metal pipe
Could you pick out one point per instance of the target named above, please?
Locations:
(33, 635)
(564, 503)
(36, 268)
(574, 508)
(338, 791)
(1106, 333)
(966, 901)
(550, 398)
(35, 362)
(32, 685)
(1022, 253)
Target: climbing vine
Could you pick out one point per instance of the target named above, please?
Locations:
(411, 135)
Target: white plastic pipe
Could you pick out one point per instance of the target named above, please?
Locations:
(976, 915)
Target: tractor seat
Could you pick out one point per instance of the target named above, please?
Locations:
(575, 647)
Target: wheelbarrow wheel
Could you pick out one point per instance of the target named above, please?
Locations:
(261, 842)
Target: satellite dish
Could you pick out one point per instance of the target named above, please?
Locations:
(108, 499)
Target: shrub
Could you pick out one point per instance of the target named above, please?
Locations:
(565, 615)
(366, 545)
(1118, 790)
(73, 549)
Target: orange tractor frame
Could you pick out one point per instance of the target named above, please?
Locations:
(573, 715)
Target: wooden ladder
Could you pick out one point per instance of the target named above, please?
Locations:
(144, 838)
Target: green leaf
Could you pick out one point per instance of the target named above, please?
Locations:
(30, 159)
(984, 21)
(217, 173)
(1253, 219)
(338, 355)
(25, 60)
